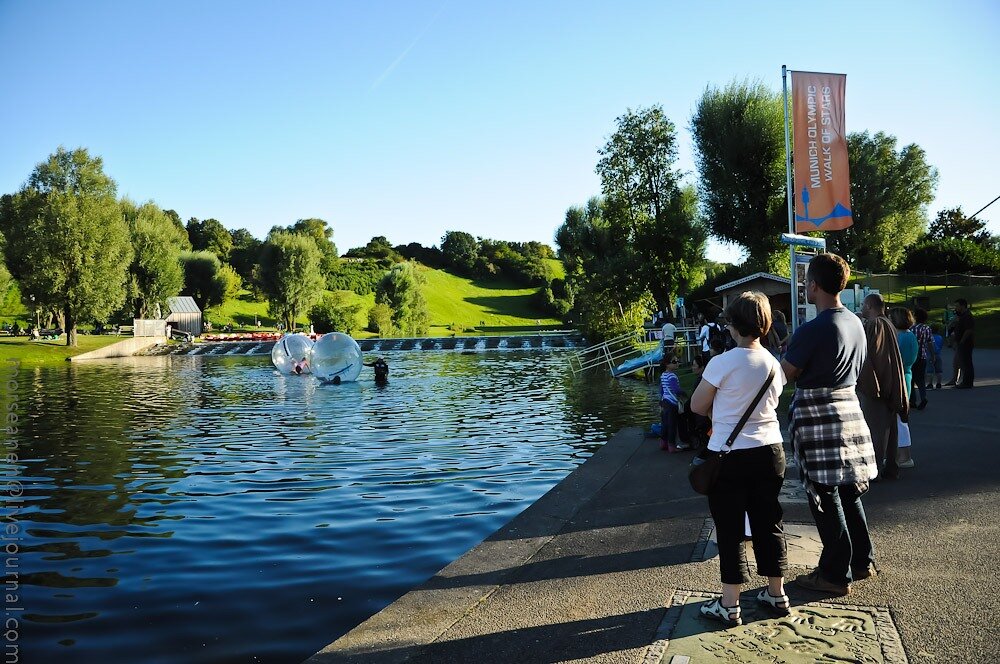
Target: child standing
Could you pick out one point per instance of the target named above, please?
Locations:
(934, 363)
(670, 394)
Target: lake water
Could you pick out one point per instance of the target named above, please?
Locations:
(208, 510)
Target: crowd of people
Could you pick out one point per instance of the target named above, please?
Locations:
(856, 378)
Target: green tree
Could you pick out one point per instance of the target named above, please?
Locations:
(175, 219)
(739, 144)
(290, 274)
(322, 234)
(402, 290)
(378, 248)
(245, 254)
(643, 242)
(335, 313)
(203, 278)
(890, 190)
(952, 223)
(232, 283)
(460, 251)
(66, 240)
(380, 320)
(210, 235)
(155, 272)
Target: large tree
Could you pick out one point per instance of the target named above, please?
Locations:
(155, 272)
(210, 235)
(204, 279)
(290, 275)
(657, 241)
(740, 151)
(245, 254)
(322, 234)
(890, 190)
(402, 290)
(952, 223)
(460, 251)
(67, 243)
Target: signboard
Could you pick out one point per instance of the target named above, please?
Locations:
(822, 182)
(804, 312)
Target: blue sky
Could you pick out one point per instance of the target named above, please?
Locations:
(407, 119)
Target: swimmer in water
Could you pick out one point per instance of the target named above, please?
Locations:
(381, 368)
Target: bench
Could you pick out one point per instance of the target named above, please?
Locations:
(125, 329)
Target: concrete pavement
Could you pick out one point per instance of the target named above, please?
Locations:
(588, 572)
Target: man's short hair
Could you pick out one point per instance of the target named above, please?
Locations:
(750, 314)
(963, 302)
(875, 301)
(830, 272)
(920, 315)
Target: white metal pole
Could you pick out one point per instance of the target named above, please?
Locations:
(791, 213)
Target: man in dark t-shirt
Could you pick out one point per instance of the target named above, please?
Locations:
(830, 438)
(965, 341)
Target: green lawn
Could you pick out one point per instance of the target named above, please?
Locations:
(984, 300)
(30, 352)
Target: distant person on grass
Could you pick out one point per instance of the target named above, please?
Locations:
(752, 472)
(830, 439)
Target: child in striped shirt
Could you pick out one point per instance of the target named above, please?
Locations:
(670, 399)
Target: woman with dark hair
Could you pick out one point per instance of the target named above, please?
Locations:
(742, 386)
(925, 355)
(902, 320)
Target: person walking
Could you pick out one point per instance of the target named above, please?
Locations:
(752, 471)
(881, 385)
(965, 341)
(925, 356)
(670, 404)
(909, 351)
(830, 438)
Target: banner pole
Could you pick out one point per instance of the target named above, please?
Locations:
(791, 214)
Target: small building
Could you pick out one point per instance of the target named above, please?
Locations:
(184, 314)
(778, 290)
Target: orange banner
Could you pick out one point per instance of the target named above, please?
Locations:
(819, 154)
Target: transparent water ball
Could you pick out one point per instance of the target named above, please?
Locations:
(291, 350)
(336, 358)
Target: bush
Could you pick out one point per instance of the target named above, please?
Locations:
(334, 313)
(952, 255)
(380, 320)
(360, 276)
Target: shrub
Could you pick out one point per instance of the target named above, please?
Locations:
(952, 255)
(334, 313)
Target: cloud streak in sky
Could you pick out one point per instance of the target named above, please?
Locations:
(402, 56)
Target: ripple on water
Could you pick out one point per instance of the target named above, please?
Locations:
(183, 509)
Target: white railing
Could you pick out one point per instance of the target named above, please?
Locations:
(614, 352)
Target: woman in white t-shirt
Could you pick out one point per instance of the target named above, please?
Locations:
(752, 472)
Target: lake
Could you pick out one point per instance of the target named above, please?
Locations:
(185, 509)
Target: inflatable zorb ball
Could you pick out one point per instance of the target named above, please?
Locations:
(336, 358)
(290, 350)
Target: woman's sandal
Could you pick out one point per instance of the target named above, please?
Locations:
(777, 605)
(729, 616)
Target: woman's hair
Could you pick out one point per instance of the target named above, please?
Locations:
(701, 360)
(920, 315)
(668, 358)
(901, 317)
(779, 316)
(750, 314)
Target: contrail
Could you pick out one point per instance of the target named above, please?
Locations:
(402, 56)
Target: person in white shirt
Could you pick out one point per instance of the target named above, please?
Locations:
(669, 333)
(705, 334)
(753, 470)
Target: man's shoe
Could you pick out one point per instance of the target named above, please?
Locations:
(867, 572)
(776, 605)
(938, 386)
(813, 581)
(727, 615)
(907, 464)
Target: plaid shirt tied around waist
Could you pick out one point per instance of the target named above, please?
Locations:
(830, 438)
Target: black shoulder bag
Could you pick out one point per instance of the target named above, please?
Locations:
(704, 470)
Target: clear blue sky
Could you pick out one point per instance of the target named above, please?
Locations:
(407, 119)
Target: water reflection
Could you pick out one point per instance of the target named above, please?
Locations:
(208, 510)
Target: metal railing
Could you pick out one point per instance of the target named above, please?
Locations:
(614, 352)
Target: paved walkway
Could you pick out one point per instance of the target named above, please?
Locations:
(589, 571)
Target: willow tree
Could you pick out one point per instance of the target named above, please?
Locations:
(67, 243)
(740, 152)
(290, 275)
(155, 272)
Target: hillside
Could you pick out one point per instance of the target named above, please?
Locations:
(456, 305)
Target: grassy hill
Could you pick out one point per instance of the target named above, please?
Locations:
(457, 305)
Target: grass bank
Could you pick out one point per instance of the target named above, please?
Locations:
(25, 351)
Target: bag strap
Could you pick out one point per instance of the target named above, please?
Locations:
(749, 411)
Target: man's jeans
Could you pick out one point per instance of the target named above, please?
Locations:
(843, 529)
